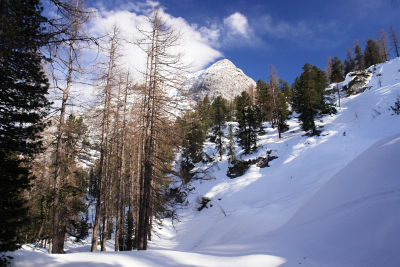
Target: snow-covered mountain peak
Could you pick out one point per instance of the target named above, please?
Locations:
(223, 63)
(221, 78)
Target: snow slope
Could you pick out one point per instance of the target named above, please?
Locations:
(354, 219)
(332, 200)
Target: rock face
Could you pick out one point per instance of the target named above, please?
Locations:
(357, 81)
(222, 78)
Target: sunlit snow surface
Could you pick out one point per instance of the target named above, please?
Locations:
(332, 200)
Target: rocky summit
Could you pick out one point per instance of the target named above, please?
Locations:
(221, 78)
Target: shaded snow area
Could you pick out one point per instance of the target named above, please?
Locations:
(332, 200)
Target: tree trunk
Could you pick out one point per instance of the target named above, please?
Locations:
(102, 176)
(58, 238)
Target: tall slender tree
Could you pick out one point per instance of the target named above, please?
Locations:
(249, 120)
(349, 63)
(104, 171)
(311, 98)
(163, 66)
(382, 45)
(218, 115)
(286, 90)
(231, 145)
(358, 56)
(328, 69)
(395, 41)
(23, 107)
(66, 57)
(371, 54)
(279, 111)
(261, 99)
(337, 73)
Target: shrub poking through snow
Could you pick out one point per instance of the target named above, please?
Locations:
(203, 203)
(396, 106)
(238, 168)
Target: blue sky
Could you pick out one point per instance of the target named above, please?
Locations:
(254, 34)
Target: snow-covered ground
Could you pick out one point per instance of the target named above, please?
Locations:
(332, 200)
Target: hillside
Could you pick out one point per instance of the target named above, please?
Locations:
(329, 200)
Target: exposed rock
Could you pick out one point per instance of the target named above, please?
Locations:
(222, 78)
(357, 81)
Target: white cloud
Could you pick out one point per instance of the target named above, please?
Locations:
(197, 45)
(237, 23)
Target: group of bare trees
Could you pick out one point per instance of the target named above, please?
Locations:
(136, 140)
(135, 144)
(58, 191)
(386, 44)
(131, 130)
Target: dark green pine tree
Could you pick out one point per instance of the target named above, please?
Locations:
(193, 140)
(310, 97)
(337, 74)
(262, 99)
(371, 53)
(231, 145)
(249, 120)
(286, 90)
(325, 98)
(192, 148)
(282, 114)
(349, 63)
(23, 106)
(74, 187)
(358, 57)
(203, 109)
(218, 114)
(306, 99)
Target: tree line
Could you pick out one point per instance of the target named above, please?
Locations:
(375, 52)
(244, 119)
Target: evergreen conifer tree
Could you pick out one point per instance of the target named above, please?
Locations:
(337, 74)
(371, 54)
(262, 99)
(286, 90)
(231, 145)
(193, 140)
(249, 120)
(23, 106)
(349, 63)
(359, 57)
(218, 114)
(203, 109)
(310, 97)
(73, 190)
(192, 145)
